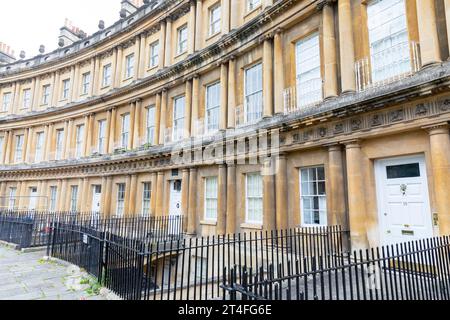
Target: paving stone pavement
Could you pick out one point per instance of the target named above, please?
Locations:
(27, 276)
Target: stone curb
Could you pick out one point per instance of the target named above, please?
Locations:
(9, 245)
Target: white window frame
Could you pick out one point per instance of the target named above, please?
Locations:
(214, 107)
(125, 130)
(309, 83)
(151, 124)
(79, 137)
(73, 198)
(53, 198)
(120, 204)
(66, 89)
(182, 39)
(12, 198)
(59, 144)
(6, 102)
(101, 137)
(247, 219)
(39, 154)
(129, 66)
(154, 54)
(395, 67)
(85, 83)
(26, 99)
(146, 198)
(2, 141)
(107, 74)
(252, 94)
(18, 154)
(253, 4)
(210, 198)
(215, 23)
(304, 196)
(45, 94)
(178, 124)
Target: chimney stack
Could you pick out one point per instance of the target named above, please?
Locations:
(129, 7)
(70, 34)
(6, 54)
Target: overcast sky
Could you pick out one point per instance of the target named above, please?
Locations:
(26, 24)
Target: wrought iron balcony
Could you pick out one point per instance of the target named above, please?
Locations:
(392, 64)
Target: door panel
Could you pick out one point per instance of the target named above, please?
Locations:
(403, 199)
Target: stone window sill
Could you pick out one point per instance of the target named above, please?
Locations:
(252, 226)
(208, 223)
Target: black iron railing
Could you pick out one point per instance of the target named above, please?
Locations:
(417, 270)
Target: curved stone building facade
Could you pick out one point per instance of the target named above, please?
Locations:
(241, 115)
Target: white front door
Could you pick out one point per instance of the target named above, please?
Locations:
(175, 198)
(32, 205)
(403, 200)
(96, 198)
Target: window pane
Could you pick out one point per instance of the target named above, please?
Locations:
(313, 196)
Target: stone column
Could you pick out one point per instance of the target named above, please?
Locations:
(75, 83)
(138, 118)
(223, 122)
(231, 93)
(112, 130)
(48, 141)
(162, 44)
(108, 131)
(132, 128)
(347, 47)
(222, 200)
(157, 119)
(268, 78)
(103, 195)
(127, 196)
(162, 122)
(188, 109)
(2, 194)
(85, 136)
(25, 144)
(231, 198)
(336, 194)
(429, 42)
(65, 139)
(69, 140)
(268, 196)
(35, 95)
(447, 19)
(356, 196)
(137, 58)
(94, 74)
(29, 145)
(84, 195)
(133, 196)
(440, 161)
(198, 26)
(281, 193)
(90, 134)
(117, 66)
(62, 196)
(278, 72)
(192, 215)
(55, 89)
(185, 192)
(195, 104)
(160, 195)
(42, 202)
(168, 45)
(108, 193)
(153, 195)
(191, 28)
(235, 13)
(329, 51)
(4, 147)
(225, 4)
